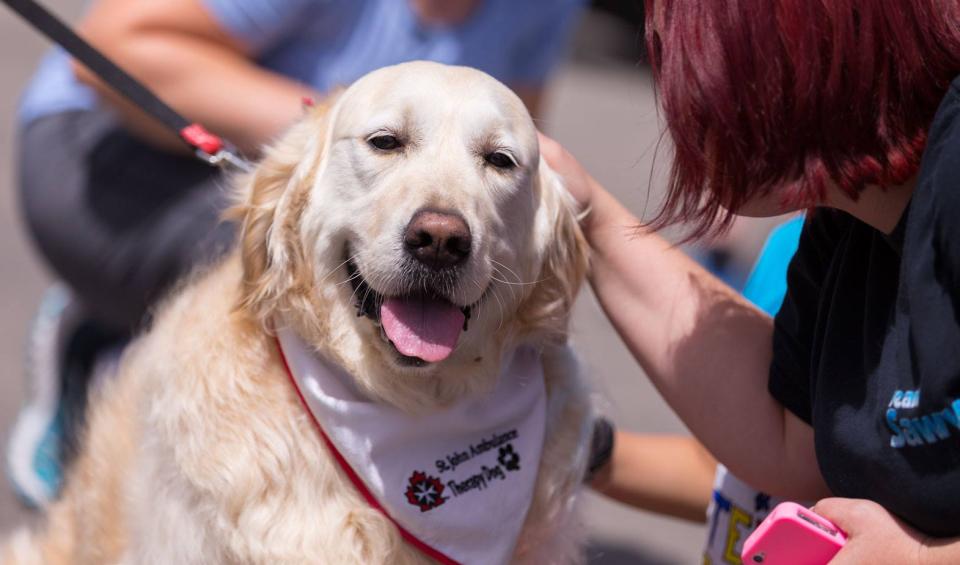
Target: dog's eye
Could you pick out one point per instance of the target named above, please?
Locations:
(500, 160)
(385, 142)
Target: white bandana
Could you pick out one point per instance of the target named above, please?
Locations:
(459, 481)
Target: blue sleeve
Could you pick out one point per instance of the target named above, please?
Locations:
(258, 24)
(544, 42)
(767, 284)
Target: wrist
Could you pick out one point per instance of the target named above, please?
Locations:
(601, 451)
(599, 211)
(937, 551)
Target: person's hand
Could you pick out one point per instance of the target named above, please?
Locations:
(873, 534)
(576, 179)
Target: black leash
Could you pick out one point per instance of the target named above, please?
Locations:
(208, 147)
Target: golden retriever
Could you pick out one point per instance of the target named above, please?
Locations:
(419, 187)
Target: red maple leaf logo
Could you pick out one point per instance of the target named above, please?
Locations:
(425, 491)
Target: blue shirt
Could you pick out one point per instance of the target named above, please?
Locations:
(767, 284)
(329, 43)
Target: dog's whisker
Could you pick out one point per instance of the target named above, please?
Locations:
(355, 289)
(493, 276)
(353, 295)
(496, 295)
(518, 282)
(335, 269)
(508, 283)
(373, 281)
(477, 310)
(499, 264)
(353, 277)
(366, 294)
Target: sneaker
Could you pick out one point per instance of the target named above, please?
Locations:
(66, 353)
(33, 453)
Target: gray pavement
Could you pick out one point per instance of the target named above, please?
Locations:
(604, 113)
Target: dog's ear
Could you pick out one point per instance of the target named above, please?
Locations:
(270, 202)
(546, 310)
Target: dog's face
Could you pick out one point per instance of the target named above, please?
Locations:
(415, 219)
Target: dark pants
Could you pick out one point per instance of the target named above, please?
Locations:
(118, 221)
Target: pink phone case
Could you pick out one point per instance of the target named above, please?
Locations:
(793, 535)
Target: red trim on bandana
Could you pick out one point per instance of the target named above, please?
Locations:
(357, 481)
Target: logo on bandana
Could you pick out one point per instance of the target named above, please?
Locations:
(425, 491)
(509, 458)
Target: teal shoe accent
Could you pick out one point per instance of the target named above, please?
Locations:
(47, 462)
(34, 451)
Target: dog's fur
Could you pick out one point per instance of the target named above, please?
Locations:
(199, 452)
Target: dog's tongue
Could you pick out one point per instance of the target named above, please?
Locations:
(421, 327)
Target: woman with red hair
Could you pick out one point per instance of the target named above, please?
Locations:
(846, 108)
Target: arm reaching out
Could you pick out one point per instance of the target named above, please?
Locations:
(671, 475)
(178, 50)
(705, 348)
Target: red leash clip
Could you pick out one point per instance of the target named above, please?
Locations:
(201, 139)
(211, 148)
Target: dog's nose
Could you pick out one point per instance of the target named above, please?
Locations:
(439, 240)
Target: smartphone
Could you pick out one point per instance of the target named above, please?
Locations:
(793, 535)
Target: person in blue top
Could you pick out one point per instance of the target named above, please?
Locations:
(120, 211)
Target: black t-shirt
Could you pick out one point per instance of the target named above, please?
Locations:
(867, 344)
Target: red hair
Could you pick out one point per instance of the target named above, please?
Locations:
(784, 96)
